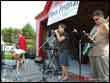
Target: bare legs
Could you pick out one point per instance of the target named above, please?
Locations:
(18, 61)
(64, 72)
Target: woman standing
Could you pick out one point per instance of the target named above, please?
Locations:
(99, 55)
(63, 40)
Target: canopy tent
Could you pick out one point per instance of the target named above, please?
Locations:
(82, 20)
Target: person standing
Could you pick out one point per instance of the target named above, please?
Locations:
(63, 40)
(99, 55)
(21, 48)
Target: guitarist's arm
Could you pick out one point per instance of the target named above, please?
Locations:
(89, 38)
(103, 27)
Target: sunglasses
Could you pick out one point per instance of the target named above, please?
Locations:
(96, 19)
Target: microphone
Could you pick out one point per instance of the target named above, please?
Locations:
(75, 30)
(85, 33)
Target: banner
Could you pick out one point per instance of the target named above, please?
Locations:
(63, 11)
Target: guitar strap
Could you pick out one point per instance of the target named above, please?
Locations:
(88, 46)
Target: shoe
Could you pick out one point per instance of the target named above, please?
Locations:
(37, 60)
(65, 78)
(19, 76)
(59, 77)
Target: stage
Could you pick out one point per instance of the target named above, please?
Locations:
(31, 72)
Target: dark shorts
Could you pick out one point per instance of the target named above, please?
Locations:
(63, 59)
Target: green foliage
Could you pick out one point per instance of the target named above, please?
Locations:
(10, 35)
(30, 46)
(8, 56)
(28, 31)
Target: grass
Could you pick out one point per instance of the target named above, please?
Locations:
(7, 55)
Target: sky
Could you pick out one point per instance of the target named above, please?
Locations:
(18, 13)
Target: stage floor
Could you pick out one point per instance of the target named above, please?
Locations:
(31, 72)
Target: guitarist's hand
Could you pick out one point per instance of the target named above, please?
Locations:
(89, 37)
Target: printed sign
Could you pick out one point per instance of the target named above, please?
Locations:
(65, 10)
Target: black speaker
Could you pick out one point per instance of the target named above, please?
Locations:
(31, 53)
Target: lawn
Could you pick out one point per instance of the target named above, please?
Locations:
(7, 55)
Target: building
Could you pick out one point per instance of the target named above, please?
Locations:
(73, 14)
(82, 19)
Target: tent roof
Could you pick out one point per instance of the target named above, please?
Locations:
(45, 11)
(83, 18)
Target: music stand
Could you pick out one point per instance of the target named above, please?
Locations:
(82, 36)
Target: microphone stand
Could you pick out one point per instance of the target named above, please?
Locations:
(47, 40)
(79, 46)
(79, 59)
(43, 72)
(88, 39)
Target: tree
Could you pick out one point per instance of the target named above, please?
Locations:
(28, 31)
(5, 34)
(9, 35)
